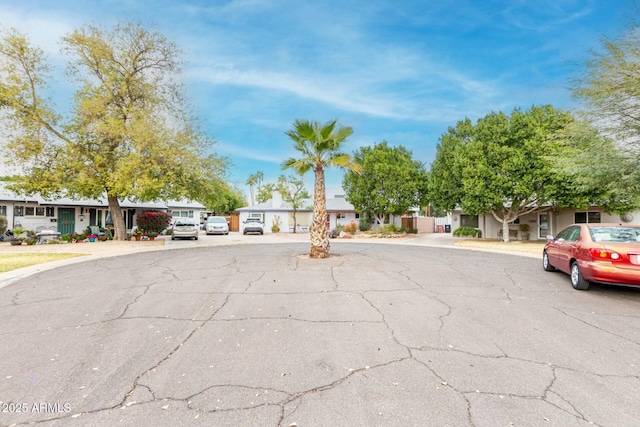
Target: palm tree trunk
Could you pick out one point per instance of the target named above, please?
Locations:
(319, 234)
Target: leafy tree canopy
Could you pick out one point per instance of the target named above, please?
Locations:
(223, 198)
(390, 181)
(128, 135)
(503, 165)
(266, 192)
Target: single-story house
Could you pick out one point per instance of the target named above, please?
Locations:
(73, 216)
(276, 210)
(542, 223)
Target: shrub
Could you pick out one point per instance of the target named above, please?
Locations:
(351, 228)
(392, 228)
(364, 224)
(3, 224)
(79, 237)
(66, 238)
(467, 231)
(153, 221)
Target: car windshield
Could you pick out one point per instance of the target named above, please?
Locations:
(615, 234)
(216, 219)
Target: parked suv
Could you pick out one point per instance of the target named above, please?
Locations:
(253, 225)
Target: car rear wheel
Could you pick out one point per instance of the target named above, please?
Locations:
(545, 262)
(577, 281)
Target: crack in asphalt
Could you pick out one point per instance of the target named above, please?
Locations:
(597, 327)
(290, 402)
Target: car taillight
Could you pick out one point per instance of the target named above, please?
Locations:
(604, 254)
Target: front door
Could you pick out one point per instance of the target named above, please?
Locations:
(543, 227)
(66, 220)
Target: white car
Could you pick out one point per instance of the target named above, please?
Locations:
(216, 225)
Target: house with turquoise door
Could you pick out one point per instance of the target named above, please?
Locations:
(69, 216)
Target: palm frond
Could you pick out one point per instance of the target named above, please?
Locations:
(300, 166)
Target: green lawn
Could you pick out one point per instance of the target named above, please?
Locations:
(10, 262)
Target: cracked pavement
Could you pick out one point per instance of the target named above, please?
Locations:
(260, 335)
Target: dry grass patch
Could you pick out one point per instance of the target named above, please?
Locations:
(10, 262)
(515, 246)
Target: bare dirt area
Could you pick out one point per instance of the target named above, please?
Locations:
(514, 246)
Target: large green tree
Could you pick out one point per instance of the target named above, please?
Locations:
(445, 177)
(128, 134)
(609, 87)
(319, 146)
(605, 173)
(390, 181)
(222, 198)
(502, 166)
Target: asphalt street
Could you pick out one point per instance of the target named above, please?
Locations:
(260, 335)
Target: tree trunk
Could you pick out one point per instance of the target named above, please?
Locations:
(505, 230)
(295, 225)
(120, 231)
(319, 235)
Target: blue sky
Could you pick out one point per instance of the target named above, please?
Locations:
(400, 71)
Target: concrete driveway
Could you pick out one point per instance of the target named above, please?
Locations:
(259, 335)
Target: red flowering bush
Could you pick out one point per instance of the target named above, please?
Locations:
(153, 221)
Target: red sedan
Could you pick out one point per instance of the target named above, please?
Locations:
(603, 253)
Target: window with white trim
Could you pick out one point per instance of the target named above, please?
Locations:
(182, 214)
(3, 210)
(42, 211)
(341, 215)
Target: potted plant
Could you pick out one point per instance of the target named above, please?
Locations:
(137, 233)
(524, 231)
(16, 236)
(152, 235)
(92, 237)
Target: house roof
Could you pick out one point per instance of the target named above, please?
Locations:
(337, 204)
(7, 195)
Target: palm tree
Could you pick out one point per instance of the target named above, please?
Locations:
(319, 145)
(251, 181)
(259, 178)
